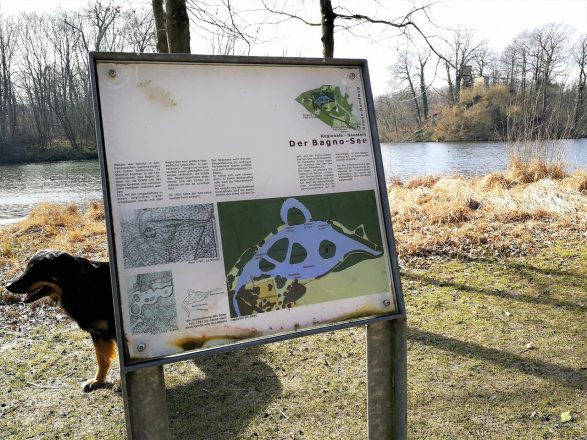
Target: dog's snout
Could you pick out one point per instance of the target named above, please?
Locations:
(14, 285)
(10, 286)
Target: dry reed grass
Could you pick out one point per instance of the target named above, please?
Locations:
(421, 182)
(520, 171)
(55, 226)
(503, 213)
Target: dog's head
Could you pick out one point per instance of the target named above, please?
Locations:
(42, 276)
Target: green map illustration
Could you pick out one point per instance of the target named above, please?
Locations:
(329, 105)
(287, 252)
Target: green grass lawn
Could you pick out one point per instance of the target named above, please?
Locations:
(497, 349)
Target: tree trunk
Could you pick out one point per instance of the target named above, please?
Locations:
(524, 62)
(415, 99)
(451, 90)
(423, 91)
(328, 17)
(178, 26)
(160, 29)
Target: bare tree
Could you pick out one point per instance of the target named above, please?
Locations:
(138, 30)
(394, 115)
(459, 54)
(579, 53)
(8, 112)
(405, 72)
(67, 94)
(35, 75)
(480, 58)
(330, 16)
(218, 22)
(548, 53)
(422, 59)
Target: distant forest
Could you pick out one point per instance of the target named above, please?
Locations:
(457, 89)
(534, 88)
(46, 108)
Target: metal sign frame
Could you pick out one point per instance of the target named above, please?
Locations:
(386, 333)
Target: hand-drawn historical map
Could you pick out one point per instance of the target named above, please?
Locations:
(152, 303)
(168, 235)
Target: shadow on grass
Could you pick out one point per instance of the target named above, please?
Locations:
(567, 377)
(237, 386)
(517, 296)
(530, 268)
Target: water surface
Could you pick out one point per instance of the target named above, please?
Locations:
(23, 186)
(405, 160)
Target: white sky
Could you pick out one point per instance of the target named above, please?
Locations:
(497, 21)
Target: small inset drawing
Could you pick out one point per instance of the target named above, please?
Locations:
(168, 235)
(152, 303)
(197, 300)
(329, 105)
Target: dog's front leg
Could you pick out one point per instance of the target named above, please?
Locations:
(105, 353)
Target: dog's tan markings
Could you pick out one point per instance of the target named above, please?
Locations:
(55, 289)
(105, 354)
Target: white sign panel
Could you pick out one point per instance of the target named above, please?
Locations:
(244, 201)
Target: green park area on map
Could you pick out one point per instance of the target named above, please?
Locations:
(287, 252)
(330, 106)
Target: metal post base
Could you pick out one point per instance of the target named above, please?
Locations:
(387, 380)
(146, 404)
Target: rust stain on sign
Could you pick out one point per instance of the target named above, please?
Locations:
(188, 343)
(156, 93)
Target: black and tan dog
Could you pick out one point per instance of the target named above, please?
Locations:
(82, 288)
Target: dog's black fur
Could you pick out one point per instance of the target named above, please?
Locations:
(82, 288)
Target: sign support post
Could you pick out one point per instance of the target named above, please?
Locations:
(387, 380)
(146, 404)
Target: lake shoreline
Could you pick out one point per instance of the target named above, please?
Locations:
(32, 155)
(48, 156)
(79, 182)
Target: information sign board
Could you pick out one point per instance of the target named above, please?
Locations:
(245, 200)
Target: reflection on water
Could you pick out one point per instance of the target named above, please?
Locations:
(23, 186)
(406, 160)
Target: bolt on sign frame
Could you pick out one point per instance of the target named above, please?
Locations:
(245, 204)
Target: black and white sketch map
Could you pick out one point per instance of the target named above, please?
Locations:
(197, 301)
(171, 234)
(152, 303)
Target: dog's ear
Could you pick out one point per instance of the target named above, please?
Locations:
(56, 263)
(44, 255)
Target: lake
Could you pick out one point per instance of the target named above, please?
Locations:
(23, 186)
(406, 160)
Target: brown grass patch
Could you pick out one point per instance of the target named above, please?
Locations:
(520, 171)
(54, 226)
(494, 180)
(578, 181)
(49, 218)
(394, 181)
(95, 212)
(421, 182)
(464, 216)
